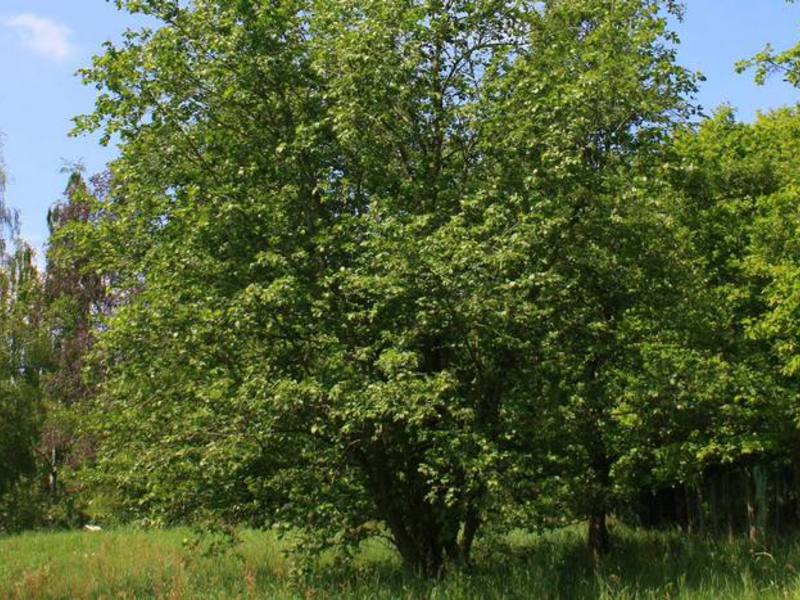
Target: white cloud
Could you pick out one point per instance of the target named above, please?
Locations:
(45, 37)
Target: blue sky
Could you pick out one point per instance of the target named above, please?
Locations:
(43, 42)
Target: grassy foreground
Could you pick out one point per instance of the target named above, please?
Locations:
(157, 564)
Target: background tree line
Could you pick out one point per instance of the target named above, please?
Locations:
(418, 269)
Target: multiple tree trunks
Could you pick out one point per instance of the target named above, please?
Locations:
(755, 500)
(427, 544)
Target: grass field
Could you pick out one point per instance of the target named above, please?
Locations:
(158, 564)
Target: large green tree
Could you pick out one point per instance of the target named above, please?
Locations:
(373, 250)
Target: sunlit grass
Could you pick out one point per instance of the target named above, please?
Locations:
(159, 564)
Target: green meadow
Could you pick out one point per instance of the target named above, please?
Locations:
(135, 564)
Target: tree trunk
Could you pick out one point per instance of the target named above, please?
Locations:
(780, 499)
(750, 504)
(687, 501)
(599, 541)
(701, 510)
(421, 541)
(53, 478)
(761, 498)
(471, 523)
(727, 494)
(715, 510)
(796, 485)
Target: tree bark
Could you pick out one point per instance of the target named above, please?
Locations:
(750, 504)
(729, 514)
(687, 501)
(471, 524)
(701, 511)
(599, 541)
(53, 477)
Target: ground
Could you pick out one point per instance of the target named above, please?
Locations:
(130, 563)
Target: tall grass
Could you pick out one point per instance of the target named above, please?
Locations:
(159, 564)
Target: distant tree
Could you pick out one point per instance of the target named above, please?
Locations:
(22, 355)
(75, 298)
(716, 401)
(75, 295)
(9, 218)
(774, 256)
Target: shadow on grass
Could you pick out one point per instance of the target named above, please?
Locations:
(559, 565)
